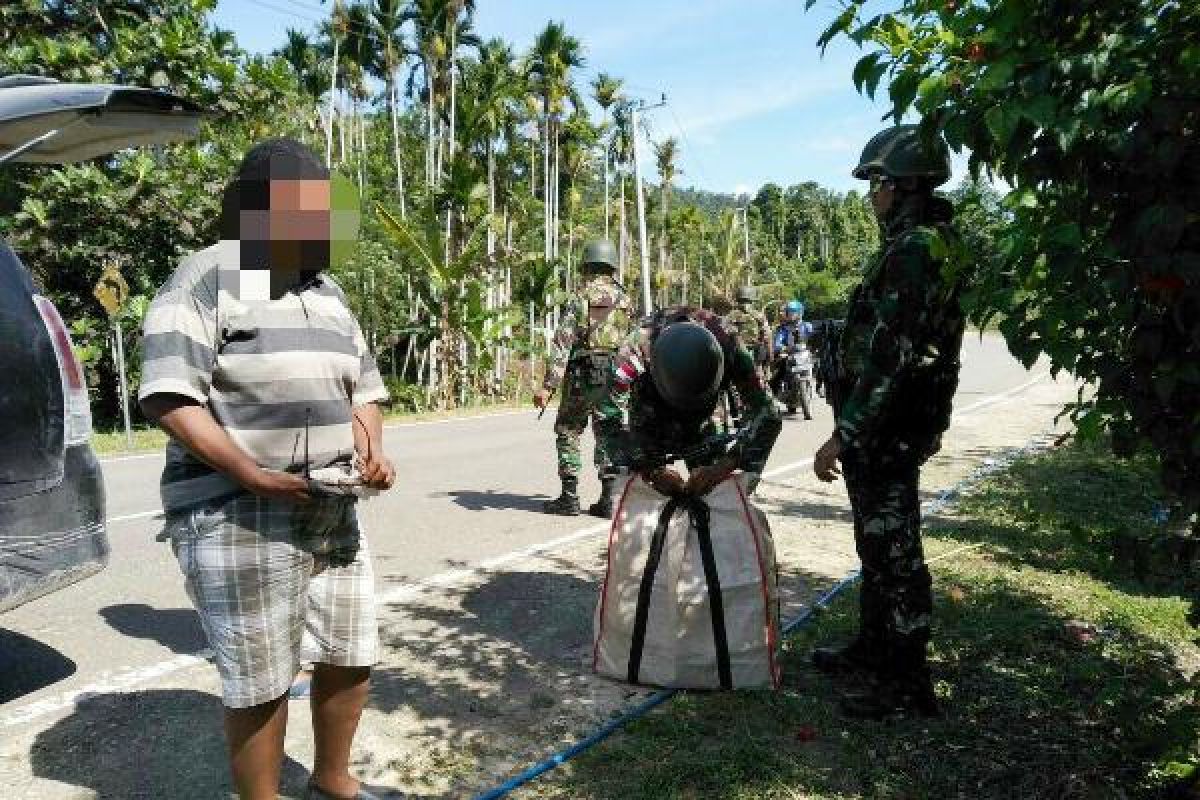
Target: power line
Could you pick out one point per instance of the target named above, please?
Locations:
(691, 148)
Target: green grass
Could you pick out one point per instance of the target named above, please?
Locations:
(113, 442)
(1032, 710)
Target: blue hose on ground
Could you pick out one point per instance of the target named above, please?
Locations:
(640, 710)
(658, 698)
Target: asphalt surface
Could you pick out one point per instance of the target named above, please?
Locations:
(469, 490)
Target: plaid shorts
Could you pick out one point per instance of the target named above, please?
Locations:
(276, 584)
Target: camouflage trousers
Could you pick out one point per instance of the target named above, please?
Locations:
(580, 401)
(896, 597)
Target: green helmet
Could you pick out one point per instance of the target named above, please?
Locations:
(599, 255)
(747, 294)
(900, 152)
(687, 365)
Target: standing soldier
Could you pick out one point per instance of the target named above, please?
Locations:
(596, 321)
(897, 370)
(752, 326)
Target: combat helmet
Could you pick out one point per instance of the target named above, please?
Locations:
(687, 365)
(599, 255)
(901, 152)
(747, 294)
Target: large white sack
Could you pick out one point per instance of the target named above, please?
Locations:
(679, 645)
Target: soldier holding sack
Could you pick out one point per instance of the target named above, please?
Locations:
(689, 594)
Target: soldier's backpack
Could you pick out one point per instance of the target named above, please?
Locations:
(689, 598)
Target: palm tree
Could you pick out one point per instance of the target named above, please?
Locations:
(606, 90)
(665, 153)
(622, 156)
(359, 57)
(387, 18)
(302, 56)
(554, 55)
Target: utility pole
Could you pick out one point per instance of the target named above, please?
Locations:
(647, 299)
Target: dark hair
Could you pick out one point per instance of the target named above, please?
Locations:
(281, 159)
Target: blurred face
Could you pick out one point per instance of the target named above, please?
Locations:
(293, 231)
(883, 195)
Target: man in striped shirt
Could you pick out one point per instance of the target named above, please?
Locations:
(260, 374)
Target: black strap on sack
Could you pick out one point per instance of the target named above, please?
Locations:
(698, 512)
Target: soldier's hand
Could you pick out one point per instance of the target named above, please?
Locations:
(703, 480)
(665, 481)
(541, 397)
(825, 463)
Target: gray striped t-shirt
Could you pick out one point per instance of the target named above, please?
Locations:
(280, 377)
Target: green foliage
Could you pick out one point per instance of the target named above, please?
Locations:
(1089, 111)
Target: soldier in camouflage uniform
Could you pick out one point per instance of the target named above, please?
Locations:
(595, 322)
(896, 374)
(752, 326)
(674, 369)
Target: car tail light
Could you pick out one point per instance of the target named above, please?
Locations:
(77, 427)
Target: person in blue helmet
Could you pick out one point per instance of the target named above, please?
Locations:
(792, 328)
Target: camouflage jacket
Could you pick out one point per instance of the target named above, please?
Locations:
(656, 429)
(899, 352)
(753, 329)
(596, 319)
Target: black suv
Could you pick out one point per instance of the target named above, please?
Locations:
(52, 530)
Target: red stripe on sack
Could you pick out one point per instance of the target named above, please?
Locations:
(612, 532)
(776, 675)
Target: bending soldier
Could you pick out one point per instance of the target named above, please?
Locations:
(673, 371)
(898, 363)
(596, 321)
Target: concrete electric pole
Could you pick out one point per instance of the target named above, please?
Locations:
(643, 247)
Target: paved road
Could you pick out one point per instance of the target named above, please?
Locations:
(469, 490)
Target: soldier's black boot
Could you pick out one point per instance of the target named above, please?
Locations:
(603, 507)
(903, 686)
(855, 657)
(567, 503)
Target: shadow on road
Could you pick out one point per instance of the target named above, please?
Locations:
(27, 665)
(492, 500)
(150, 744)
(480, 673)
(177, 629)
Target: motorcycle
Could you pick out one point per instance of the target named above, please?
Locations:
(796, 379)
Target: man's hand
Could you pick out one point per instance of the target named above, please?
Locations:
(541, 397)
(378, 472)
(665, 481)
(825, 463)
(703, 480)
(278, 486)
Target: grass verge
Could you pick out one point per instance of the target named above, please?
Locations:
(1062, 676)
(113, 443)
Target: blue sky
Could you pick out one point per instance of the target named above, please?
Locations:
(750, 97)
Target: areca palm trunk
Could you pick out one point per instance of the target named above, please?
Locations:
(430, 133)
(332, 93)
(394, 103)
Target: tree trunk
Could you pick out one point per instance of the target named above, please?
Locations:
(332, 95)
(395, 102)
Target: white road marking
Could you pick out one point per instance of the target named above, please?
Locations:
(394, 426)
(131, 678)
